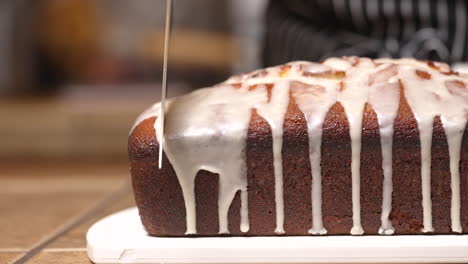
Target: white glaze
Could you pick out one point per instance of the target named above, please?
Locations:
(314, 99)
(386, 110)
(207, 129)
(353, 99)
(213, 139)
(425, 136)
(152, 111)
(454, 132)
(273, 112)
(428, 99)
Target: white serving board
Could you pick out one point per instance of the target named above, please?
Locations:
(120, 238)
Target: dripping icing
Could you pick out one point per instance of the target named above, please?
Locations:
(454, 132)
(314, 100)
(383, 85)
(420, 93)
(200, 142)
(273, 112)
(353, 98)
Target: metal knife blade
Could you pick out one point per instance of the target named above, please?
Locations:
(167, 30)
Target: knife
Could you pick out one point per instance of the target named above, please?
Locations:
(167, 30)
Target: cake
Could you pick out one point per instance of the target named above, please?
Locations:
(348, 146)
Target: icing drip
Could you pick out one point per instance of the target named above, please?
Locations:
(382, 84)
(214, 140)
(244, 225)
(425, 135)
(314, 100)
(440, 90)
(454, 132)
(215, 137)
(353, 97)
(273, 112)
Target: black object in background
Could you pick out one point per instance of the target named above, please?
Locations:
(316, 29)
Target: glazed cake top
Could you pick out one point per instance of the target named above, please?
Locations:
(207, 129)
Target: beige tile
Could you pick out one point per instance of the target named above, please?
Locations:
(76, 238)
(8, 257)
(34, 207)
(57, 257)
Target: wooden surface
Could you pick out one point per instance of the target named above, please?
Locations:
(47, 209)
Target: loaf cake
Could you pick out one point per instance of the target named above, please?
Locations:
(346, 146)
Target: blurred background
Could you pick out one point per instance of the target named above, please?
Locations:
(74, 74)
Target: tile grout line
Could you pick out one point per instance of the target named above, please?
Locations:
(73, 222)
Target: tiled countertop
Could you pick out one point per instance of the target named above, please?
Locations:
(46, 210)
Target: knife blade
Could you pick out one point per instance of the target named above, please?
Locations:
(167, 30)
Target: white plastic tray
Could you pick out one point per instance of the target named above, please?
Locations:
(120, 238)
